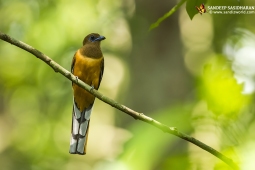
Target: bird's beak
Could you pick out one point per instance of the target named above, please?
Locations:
(100, 38)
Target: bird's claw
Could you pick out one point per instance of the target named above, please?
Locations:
(77, 78)
(92, 88)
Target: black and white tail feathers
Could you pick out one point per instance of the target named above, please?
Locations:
(80, 129)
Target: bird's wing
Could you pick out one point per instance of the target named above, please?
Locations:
(101, 72)
(73, 62)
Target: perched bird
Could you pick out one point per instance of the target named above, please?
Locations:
(88, 66)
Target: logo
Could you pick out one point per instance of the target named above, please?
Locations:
(201, 9)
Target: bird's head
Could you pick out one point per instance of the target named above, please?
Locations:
(93, 38)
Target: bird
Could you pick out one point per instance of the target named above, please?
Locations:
(88, 66)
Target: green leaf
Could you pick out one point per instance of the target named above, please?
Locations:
(191, 7)
(168, 14)
(221, 90)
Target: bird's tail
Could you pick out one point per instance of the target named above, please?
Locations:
(80, 130)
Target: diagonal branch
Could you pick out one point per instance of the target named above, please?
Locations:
(172, 130)
(168, 14)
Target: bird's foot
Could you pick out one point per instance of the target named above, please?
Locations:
(77, 78)
(92, 88)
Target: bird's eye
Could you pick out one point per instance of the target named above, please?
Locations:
(92, 38)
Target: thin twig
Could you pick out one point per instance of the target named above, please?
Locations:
(168, 14)
(172, 130)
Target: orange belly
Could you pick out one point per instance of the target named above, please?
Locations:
(88, 70)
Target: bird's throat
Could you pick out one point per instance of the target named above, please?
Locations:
(92, 51)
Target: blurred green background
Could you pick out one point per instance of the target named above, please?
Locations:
(197, 75)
